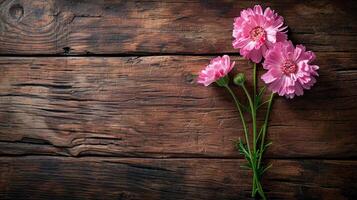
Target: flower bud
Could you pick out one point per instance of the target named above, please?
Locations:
(239, 79)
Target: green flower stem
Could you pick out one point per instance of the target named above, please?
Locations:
(254, 99)
(253, 161)
(254, 81)
(241, 116)
(254, 120)
(254, 155)
(260, 189)
(253, 110)
(265, 125)
(256, 182)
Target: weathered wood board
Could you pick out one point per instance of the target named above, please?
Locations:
(151, 106)
(138, 178)
(98, 100)
(184, 26)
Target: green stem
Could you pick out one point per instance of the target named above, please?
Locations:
(253, 158)
(265, 125)
(254, 81)
(253, 185)
(255, 109)
(241, 116)
(256, 183)
(260, 189)
(260, 155)
(254, 120)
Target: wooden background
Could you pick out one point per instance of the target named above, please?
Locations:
(98, 100)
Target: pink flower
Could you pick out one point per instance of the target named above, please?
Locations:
(289, 69)
(218, 68)
(256, 31)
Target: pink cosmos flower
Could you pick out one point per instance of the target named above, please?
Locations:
(289, 69)
(218, 68)
(256, 31)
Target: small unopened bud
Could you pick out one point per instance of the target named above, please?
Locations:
(239, 79)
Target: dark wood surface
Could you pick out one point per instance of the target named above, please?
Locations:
(172, 26)
(48, 177)
(98, 100)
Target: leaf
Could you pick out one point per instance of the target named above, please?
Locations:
(260, 131)
(255, 190)
(258, 98)
(261, 91)
(242, 148)
(267, 101)
(267, 145)
(262, 170)
(266, 168)
(236, 144)
(246, 166)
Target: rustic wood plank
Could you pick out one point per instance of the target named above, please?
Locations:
(152, 107)
(114, 178)
(185, 26)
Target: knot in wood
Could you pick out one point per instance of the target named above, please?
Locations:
(16, 11)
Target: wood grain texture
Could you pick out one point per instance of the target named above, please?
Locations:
(185, 26)
(128, 128)
(152, 107)
(114, 178)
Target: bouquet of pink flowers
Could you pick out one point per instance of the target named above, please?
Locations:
(261, 36)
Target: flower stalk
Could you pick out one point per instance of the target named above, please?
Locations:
(260, 36)
(240, 114)
(253, 154)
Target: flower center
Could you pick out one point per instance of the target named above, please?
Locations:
(289, 67)
(257, 33)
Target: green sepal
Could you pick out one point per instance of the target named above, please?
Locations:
(223, 82)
